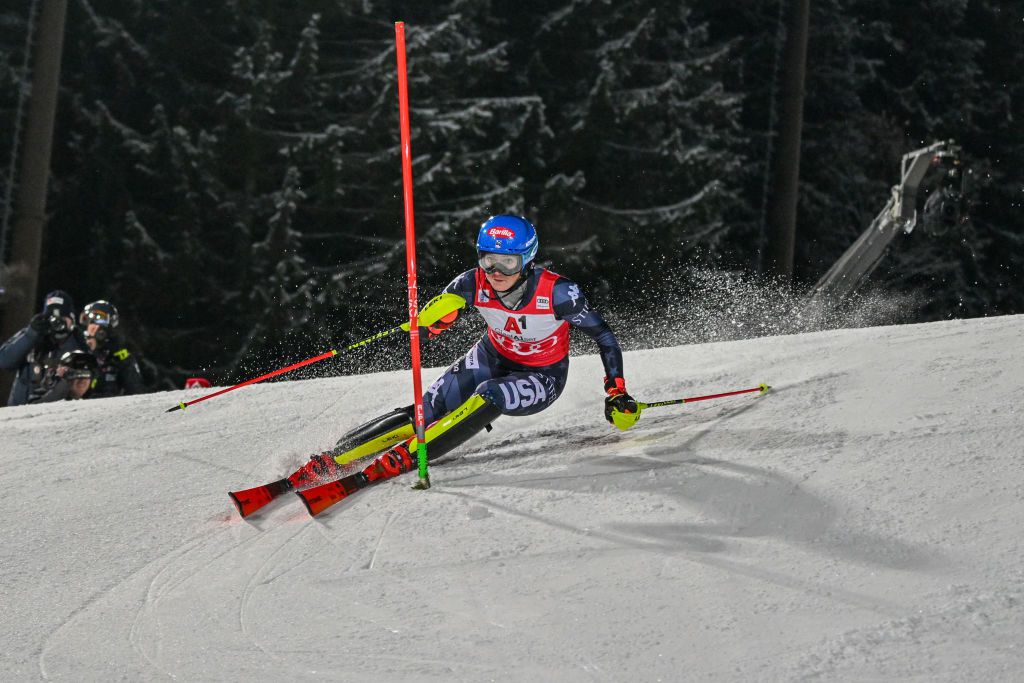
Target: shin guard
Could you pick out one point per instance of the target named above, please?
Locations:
(375, 436)
(442, 437)
(455, 428)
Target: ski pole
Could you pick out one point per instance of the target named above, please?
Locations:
(762, 388)
(184, 404)
(437, 308)
(626, 420)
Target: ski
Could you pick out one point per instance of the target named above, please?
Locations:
(320, 468)
(394, 462)
(251, 500)
(319, 498)
(369, 439)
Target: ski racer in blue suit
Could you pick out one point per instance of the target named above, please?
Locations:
(521, 364)
(518, 368)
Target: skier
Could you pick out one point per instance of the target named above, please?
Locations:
(35, 351)
(518, 368)
(118, 373)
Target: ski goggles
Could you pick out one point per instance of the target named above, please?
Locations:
(97, 316)
(506, 264)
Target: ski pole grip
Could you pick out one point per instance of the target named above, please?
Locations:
(437, 308)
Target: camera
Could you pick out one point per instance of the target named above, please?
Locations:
(58, 326)
(945, 210)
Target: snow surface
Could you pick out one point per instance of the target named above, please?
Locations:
(862, 521)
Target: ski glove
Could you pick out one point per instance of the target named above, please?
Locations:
(618, 398)
(442, 324)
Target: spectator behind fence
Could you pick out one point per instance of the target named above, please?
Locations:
(35, 351)
(118, 373)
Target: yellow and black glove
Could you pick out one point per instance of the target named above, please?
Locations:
(618, 400)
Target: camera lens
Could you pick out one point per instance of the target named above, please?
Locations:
(58, 326)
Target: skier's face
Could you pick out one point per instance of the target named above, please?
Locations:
(500, 281)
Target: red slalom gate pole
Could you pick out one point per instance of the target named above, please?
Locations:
(410, 252)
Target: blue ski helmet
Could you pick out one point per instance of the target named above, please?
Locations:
(505, 234)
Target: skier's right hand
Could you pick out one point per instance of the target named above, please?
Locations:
(442, 324)
(40, 324)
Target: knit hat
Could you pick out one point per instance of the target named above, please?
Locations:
(60, 301)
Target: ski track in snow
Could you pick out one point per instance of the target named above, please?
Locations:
(860, 521)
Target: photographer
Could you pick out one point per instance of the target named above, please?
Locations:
(35, 351)
(72, 380)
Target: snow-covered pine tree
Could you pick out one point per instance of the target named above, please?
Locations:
(996, 143)
(132, 196)
(470, 133)
(884, 79)
(943, 74)
(648, 147)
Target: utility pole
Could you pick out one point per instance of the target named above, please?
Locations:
(33, 176)
(783, 184)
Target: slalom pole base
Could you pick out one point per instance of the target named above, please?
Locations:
(423, 484)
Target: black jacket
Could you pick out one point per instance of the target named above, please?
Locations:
(119, 373)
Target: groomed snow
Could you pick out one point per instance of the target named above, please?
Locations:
(862, 521)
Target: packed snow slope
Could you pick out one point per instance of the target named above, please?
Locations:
(861, 521)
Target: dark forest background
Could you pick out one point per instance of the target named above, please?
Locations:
(228, 173)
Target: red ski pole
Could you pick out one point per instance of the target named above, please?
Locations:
(184, 404)
(626, 420)
(693, 399)
(380, 335)
(437, 308)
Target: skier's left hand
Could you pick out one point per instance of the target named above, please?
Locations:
(618, 399)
